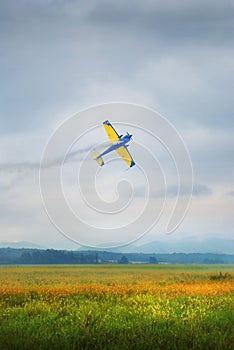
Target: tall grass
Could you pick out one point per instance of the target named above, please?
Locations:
(115, 308)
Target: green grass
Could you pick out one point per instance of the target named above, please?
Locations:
(124, 317)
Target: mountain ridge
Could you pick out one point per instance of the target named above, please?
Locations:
(188, 245)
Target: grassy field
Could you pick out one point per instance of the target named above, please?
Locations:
(117, 307)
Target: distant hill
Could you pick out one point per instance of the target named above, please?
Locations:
(20, 244)
(188, 245)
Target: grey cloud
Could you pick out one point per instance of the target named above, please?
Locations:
(140, 191)
(198, 190)
(201, 190)
(172, 191)
(57, 57)
(105, 9)
(211, 153)
(230, 193)
(180, 21)
(83, 47)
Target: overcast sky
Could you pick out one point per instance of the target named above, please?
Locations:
(58, 57)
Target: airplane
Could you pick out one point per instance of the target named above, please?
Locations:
(119, 145)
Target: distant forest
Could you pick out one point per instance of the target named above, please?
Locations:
(10, 256)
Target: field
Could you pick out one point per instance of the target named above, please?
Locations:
(117, 307)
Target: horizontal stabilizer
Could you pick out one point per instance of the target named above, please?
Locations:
(97, 157)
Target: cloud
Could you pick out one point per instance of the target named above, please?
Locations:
(172, 191)
(181, 21)
(230, 193)
(175, 58)
(211, 154)
(57, 57)
(201, 190)
(198, 190)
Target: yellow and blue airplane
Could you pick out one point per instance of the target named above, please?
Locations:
(119, 145)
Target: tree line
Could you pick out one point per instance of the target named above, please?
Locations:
(52, 256)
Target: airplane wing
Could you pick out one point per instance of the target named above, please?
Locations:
(111, 132)
(123, 153)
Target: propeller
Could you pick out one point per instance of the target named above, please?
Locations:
(129, 134)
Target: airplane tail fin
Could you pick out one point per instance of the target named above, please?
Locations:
(97, 157)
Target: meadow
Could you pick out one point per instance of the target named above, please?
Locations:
(134, 306)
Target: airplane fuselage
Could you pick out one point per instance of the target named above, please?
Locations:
(119, 143)
(123, 140)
